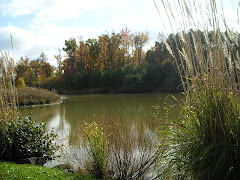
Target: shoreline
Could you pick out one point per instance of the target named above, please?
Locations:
(111, 91)
(49, 104)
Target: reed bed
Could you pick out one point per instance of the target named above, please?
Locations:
(204, 141)
(31, 96)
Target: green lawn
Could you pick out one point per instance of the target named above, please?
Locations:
(26, 171)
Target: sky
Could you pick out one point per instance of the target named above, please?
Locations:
(43, 25)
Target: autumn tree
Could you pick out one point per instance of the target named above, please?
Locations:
(103, 56)
(113, 49)
(93, 54)
(126, 39)
(24, 70)
(42, 70)
(20, 82)
(139, 40)
(80, 56)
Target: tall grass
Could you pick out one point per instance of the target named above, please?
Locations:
(97, 151)
(8, 93)
(8, 108)
(204, 142)
(119, 151)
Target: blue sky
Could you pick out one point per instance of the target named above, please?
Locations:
(43, 25)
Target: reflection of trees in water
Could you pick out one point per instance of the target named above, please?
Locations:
(46, 112)
(60, 125)
(69, 118)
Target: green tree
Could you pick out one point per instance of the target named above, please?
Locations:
(70, 48)
(24, 70)
(139, 40)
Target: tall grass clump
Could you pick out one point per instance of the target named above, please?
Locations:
(119, 151)
(204, 141)
(8, 108)
(7, 87)
(97, 151)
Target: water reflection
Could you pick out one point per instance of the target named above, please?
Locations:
(69, 118)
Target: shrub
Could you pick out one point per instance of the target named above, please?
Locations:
(23, 138)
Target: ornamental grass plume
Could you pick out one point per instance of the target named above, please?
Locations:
(204, 141)
(8, 95)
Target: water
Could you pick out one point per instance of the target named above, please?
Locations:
(136, 119)
(69, 118)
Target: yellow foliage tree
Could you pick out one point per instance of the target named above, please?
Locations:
(20, 82)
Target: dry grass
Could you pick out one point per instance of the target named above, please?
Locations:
(8, 100)
(132, 154)
(30, 96)
(8, 104)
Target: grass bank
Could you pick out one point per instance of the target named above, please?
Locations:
(26, 171)
(30, 96)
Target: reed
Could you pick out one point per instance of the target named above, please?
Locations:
(97, 150)
(8, 108)
(114, 154)
(203, 142)
(8, 93)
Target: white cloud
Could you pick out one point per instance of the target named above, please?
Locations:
(62, 10)
(23, 7)
(54, 21)
(47, 39)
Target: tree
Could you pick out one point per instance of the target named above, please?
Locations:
(150, 56)
(58, 57)
(140, 39)
(20, 82)
(43, 57)
(70, 47)
(103, 56)
(24, 70)
(93, 54)
(113, 47)
(42, 70)
(80, 56)
(126, 38)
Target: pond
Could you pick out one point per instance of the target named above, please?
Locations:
(69, 118)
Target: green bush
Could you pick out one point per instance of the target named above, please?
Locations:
(23, 139)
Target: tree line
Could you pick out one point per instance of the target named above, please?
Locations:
(112, 61)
